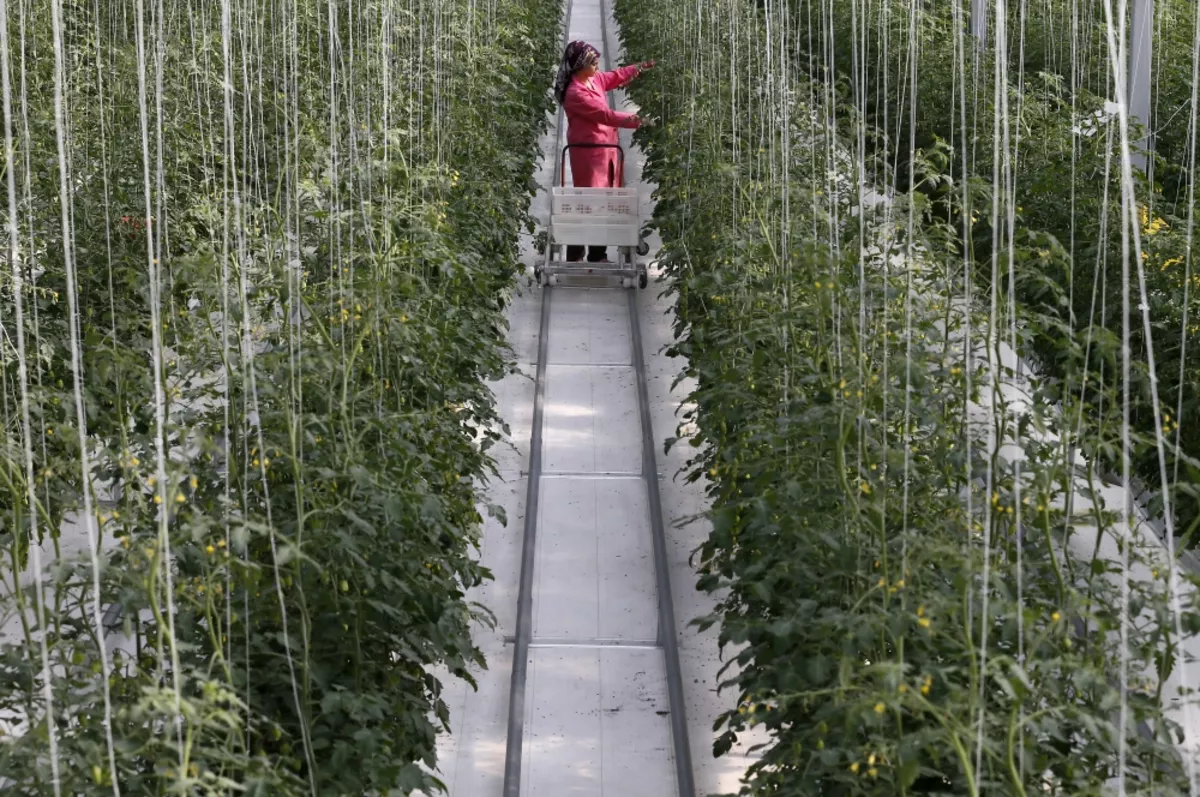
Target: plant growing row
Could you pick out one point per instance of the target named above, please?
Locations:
(910, 607)
(281, 263)
(1066, 180)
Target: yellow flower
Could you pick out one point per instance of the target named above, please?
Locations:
(1055, 617)
(210, 550)
(179, 499)
(854, 767)
(880, 708)
(923, 622)
(158, 499)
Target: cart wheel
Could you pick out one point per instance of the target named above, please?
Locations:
(553, 279)
(626, 282)
(643, 248)
(643, 280)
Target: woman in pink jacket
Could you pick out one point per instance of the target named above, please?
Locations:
(582, 90)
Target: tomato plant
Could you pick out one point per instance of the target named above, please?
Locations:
(906, 560)
(326, 254)
(1065, 181)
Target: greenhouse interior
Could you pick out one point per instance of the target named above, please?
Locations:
(860, 456)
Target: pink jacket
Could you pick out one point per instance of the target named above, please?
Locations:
(591, 121)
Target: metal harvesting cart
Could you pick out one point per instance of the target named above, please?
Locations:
(594, 217)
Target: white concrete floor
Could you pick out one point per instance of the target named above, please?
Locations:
(597, 716)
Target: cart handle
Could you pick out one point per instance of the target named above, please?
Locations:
(562, 169)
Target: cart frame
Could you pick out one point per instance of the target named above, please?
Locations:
(554, 263)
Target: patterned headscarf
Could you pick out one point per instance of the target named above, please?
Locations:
(576, 57)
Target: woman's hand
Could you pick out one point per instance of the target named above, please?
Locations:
(646, 65)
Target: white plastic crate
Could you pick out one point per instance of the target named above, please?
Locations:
(570, 204)
(596, 231)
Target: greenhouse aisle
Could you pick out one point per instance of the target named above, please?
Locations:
(597, 716)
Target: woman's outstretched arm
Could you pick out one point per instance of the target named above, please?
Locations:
(607, 81)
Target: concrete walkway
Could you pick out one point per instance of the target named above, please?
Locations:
(597, 715)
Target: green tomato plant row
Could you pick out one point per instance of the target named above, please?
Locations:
(906, 607)
(1067, 189)
(336, 195)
